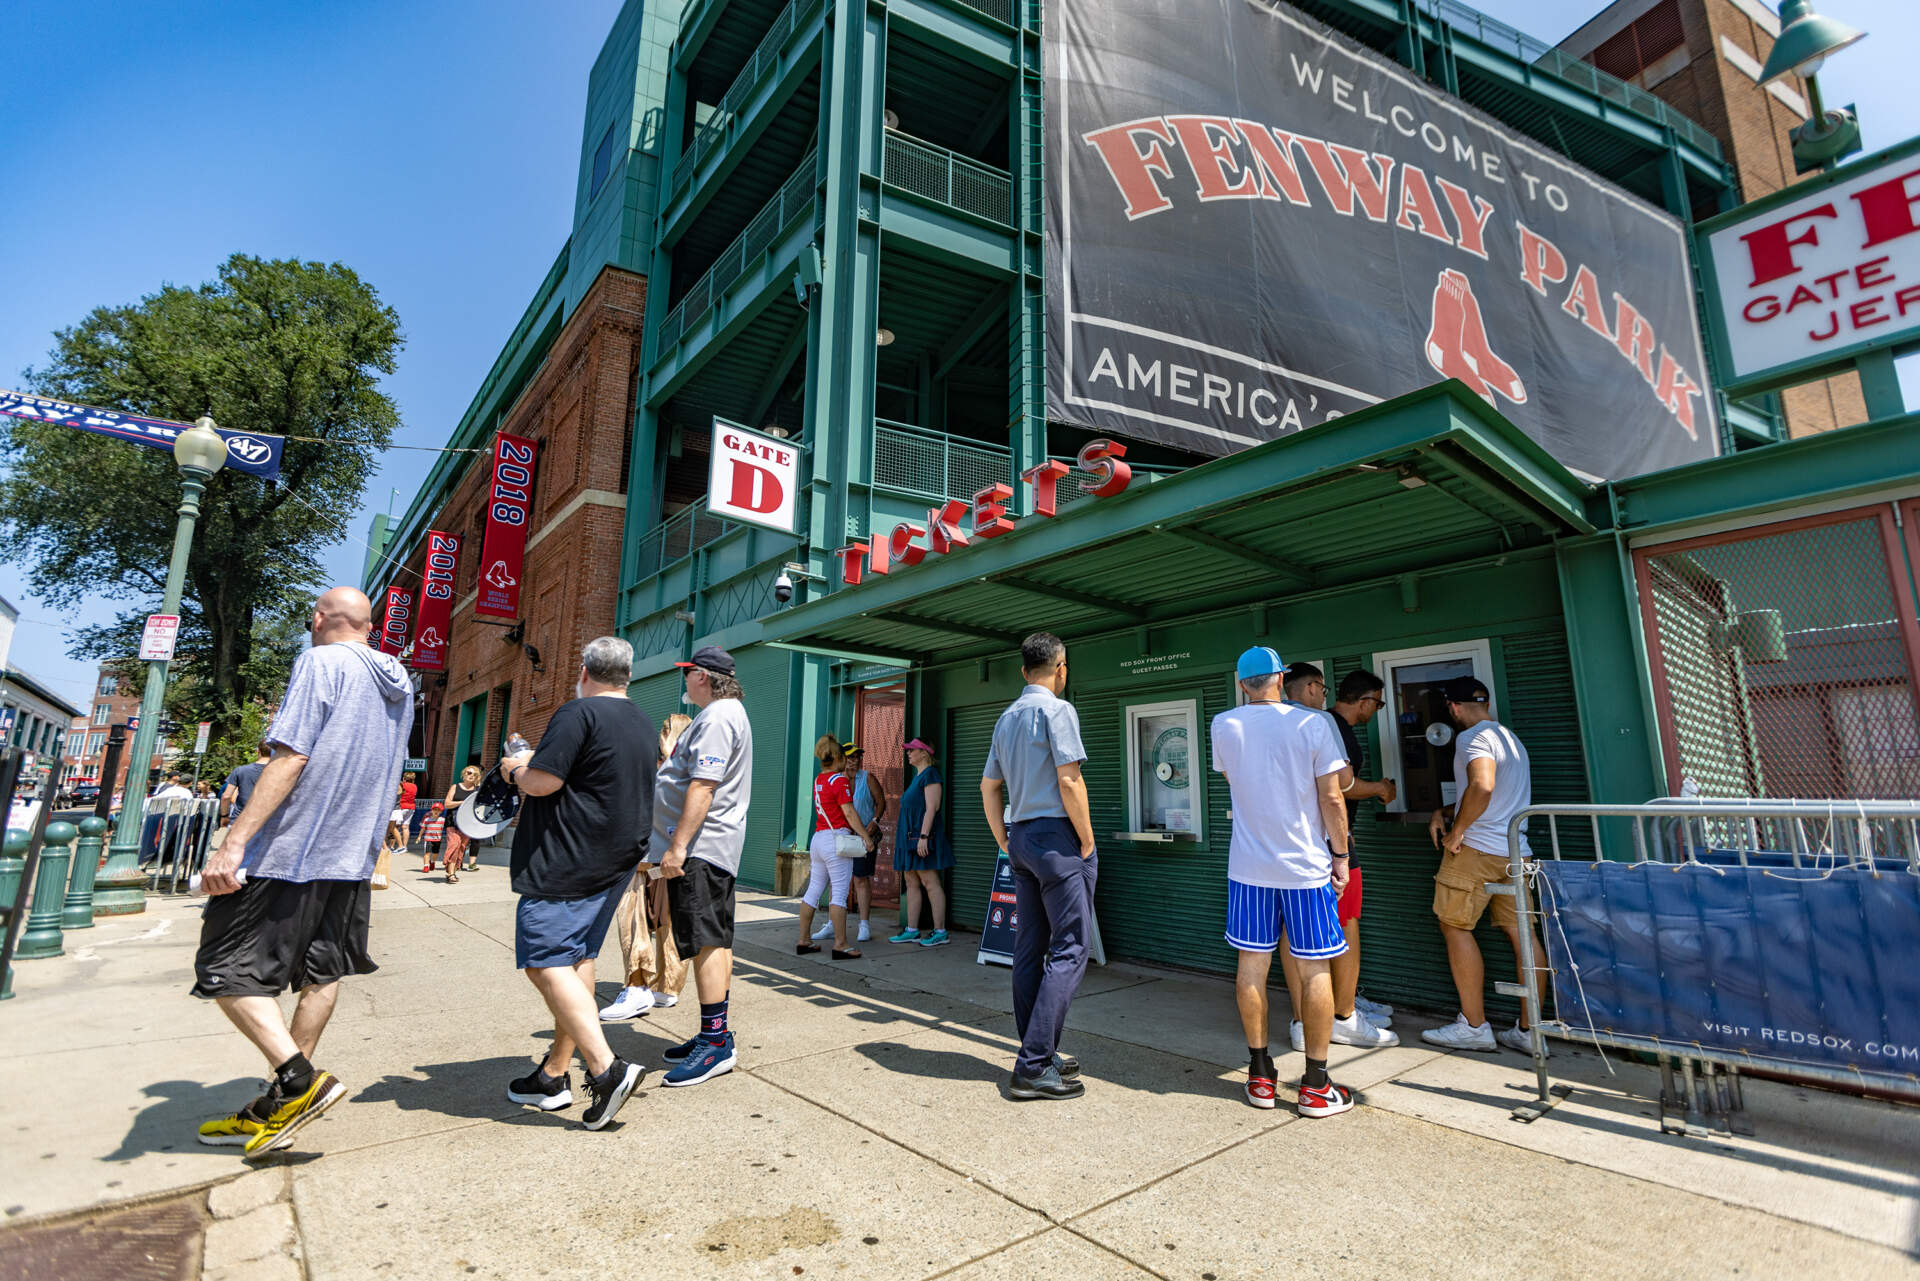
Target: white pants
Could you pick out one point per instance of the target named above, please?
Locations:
(831, 855)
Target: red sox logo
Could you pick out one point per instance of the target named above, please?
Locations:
(1457, 343)
(429, 638)
(498, 576)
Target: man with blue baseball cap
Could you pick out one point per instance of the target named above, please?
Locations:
(1286, 866)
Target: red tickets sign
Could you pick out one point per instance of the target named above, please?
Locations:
(503, 549)
(436, 602)
(395, 620)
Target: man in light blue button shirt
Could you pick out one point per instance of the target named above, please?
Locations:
(1036, 757)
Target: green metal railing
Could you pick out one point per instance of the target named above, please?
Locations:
(947, 177)
(795, 196)
(918, 462)
(998, 10)
(1499, 36)
(678, 537)
(766, 55)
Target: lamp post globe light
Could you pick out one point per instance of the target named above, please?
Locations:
(200, 451)
(1805, 43)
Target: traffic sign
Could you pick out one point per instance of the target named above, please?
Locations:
(156, 642)
(414, 763)
(200, 739)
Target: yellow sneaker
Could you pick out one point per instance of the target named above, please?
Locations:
(294, 1113)
(228, 1131)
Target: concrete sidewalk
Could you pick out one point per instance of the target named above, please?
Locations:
(866, 1133)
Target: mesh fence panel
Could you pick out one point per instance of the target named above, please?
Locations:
(1783, 667)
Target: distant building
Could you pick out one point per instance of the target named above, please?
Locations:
(116, 701)
(33, 716)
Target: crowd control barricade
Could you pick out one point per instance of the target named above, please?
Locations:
(1726, 935)
(181, 835)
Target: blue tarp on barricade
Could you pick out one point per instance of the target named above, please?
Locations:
(1818, 968)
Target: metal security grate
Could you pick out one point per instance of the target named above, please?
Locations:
(998, 10)
(1783, 659)
(947, 177)
(934, 466)
(677, 537)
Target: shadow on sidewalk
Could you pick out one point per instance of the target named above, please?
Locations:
(170, 1124)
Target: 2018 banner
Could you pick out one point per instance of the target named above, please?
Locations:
(250, 452)
(395, 619)
(504, 546)
(1254, 227)
(436, 602)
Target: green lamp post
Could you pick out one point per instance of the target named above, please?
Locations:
(1805, 42)
(120, 890)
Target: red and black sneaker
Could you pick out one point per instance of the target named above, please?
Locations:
(1260, 1090)
(1324, 1100)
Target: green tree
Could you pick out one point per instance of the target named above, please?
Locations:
(284, 347)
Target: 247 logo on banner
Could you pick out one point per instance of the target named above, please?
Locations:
(256, 454)
(503, 548)
(1234, 257)
(436, 602)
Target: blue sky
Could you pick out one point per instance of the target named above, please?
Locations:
(430, 145)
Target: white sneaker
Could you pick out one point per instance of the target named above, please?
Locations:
(630, 1004)
(1357, 1030)
(865, 934)
(1462, 1035)
(664, 1000)
(1516, 1038)
(824, 932)
(1381, 1014)
(1297, 1033)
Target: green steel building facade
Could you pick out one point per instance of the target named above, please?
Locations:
(838, 205)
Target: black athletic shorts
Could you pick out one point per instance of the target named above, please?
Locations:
(270, 936)
(701, 904)
(863, 866)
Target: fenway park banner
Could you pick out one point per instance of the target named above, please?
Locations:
(1254, 227)
(436, 602)
(396, 620)
(503, 548)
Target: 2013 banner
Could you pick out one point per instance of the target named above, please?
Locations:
(1255, 226)
(436, 602)
(395, 619)
(255, 453)
(503, 548)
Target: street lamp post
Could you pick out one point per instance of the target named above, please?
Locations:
(121, 888)
(1805, 42)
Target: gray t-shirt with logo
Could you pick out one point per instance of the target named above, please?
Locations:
(718, 748)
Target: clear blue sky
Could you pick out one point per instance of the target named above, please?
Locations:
(429, 144)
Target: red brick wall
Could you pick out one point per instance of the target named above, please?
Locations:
(579, 407)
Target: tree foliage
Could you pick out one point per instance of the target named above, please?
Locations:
(284, 347)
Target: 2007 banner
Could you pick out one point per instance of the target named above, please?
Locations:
(504, 546)
(436, 602)
(1254, 227)
(395, 620)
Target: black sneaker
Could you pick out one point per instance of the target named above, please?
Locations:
(548, 1093)
(1048, 1085)
(1067, 1065)
(610, 1090)
(674, 1054)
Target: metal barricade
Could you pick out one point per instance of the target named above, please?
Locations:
(182, 836)
(1759, 886)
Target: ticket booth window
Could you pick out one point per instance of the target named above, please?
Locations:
(1166, 771)
(1416, 734)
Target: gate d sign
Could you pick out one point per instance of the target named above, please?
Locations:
(753, 478)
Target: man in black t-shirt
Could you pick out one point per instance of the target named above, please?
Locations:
(584, 827)
(1364, 1022)
(239, 786)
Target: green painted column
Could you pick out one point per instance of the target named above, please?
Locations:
(1612, 690)
(41, 938)
(13, 864)
(86, 865)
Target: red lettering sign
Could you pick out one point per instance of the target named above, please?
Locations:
(1044, 479)
(990, 511)
(395, 619)
(509, 505)
(1770, 249)
(1097, 459)
(436, 602)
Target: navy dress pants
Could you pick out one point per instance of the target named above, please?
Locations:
(1053, 890)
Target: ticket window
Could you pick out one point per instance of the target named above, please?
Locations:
(1416, 734)
(1166, 764)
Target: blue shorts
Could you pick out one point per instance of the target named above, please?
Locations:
(1258, 914)
(551, 932)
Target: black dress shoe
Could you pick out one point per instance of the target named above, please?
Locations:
(1067, 1066)
(1048, 1085)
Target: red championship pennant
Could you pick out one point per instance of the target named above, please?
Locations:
(396, 619)
(504, 548)
(436, 602)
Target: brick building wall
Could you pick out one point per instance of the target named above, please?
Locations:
(579, 407)
(1713, 76)
(122, 704)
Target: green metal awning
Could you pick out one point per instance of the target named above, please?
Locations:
(1417, 484)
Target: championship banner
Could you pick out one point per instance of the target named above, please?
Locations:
(395, 619)
(1254, 227)
(504, 547)
(250, 452)
(436, 602)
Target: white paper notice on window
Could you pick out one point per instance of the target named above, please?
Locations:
(1449, 793)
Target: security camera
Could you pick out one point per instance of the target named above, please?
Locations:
(783, 588)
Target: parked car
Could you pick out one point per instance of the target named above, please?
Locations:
(83, 794)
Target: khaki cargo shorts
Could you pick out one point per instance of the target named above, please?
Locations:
(1460, 890)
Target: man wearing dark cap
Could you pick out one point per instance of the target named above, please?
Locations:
(700, 830)
(1491, 783)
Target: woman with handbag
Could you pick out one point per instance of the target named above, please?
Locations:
(455, 849)
(840, 838)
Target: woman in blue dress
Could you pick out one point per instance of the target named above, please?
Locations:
(921, 850)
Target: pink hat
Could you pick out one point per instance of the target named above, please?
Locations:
(923, 746)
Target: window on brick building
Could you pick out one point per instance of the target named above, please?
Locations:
(101, 711)
(1643, 43)
(109, 685)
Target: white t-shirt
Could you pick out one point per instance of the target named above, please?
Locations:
(1274, 756)
(1512, 784)
(173, 792)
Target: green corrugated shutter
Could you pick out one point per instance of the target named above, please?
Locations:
(659, 695)
(766, 681)
(969, 733)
